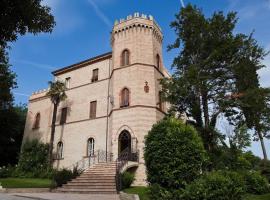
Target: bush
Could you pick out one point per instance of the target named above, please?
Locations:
(127, 179)
(220, 185)
(64, 175)
(6, 171)
(255, 183)
(264, 167)
(174, 154)
(33, 162)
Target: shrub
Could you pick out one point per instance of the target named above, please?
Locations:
(264, 166)
(220, 185)
(33, 162)
(127, 179)
(6, 171)
(63, 176)
(174, 154)
(255, 183)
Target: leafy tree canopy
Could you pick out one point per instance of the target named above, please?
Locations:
(215, 70)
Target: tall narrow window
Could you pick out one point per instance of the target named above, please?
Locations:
(90, 147)
(95, 75)
(160, 103)
(59, 150)
(37, 121)
(67, 82)
(93, 109)
(125, 58)
(158, 61)
(124, 98)
(63, 118)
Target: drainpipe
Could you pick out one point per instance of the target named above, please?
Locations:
(108, 104)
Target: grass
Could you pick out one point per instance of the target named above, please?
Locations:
(141, 191)
(143, 194)
(258, 197)
(25, 183)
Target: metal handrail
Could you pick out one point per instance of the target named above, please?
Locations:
(124, 157)
(99, 156)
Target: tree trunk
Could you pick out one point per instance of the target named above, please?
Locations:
(262, 144)
(52, 134)
(209, 134)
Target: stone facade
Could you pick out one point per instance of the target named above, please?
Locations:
(142, 38)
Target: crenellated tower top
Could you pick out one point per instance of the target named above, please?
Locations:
(138, 20)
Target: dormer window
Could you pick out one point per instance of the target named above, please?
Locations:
(125, 58)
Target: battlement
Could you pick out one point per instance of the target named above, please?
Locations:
(39, 93)
(138, 20)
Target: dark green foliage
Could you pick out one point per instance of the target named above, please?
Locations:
(16, 18)
(64, 175)
(6, 171)
(264, 167)
(33, 160)
(127, 179)
(174, 154)
(255, 183)
(210, 73)
(215, 186)
(12, 122)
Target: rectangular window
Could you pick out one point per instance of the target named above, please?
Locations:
(63, 118)
(160, 103)
(95, 75)
(67, 82)
(93, 109)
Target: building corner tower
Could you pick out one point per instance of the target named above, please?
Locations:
(136, 70)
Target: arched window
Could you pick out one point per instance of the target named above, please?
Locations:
(158, 61)
(124, 98)
(90, 147)
(59, 150)
(125, 58)
(37, 121)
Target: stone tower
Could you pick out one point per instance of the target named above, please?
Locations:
(136, 66)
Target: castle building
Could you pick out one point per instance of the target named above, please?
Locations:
(112, 99)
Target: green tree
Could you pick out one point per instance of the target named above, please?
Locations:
(12, 121)
(16, 18)
(204, 84)
(57, 94)
(174, 154)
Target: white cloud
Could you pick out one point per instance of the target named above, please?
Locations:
(100, 13)
(21, 94)
(265, 72)
(34, 64)
(182, 3)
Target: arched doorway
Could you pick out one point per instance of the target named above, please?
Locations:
(124, 142)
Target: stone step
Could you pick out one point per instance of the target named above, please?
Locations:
(113, 187)
(89, 181)
(92, 191)
(100, 176)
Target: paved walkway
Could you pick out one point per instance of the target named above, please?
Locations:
(57, 196)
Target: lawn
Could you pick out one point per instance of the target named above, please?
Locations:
(258, 197)
(25, 183)
(143, 193)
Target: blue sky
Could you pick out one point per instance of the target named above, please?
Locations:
(83, 31)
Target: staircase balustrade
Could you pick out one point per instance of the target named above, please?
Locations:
(124, 157)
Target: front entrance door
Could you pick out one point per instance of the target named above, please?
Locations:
(124, 142)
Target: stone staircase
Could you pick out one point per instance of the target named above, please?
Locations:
(99, 179)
